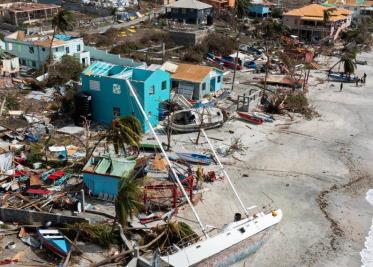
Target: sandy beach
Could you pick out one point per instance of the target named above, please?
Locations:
(317, 172)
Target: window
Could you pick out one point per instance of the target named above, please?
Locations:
(116, 89)
(67, 49)
(94, 85)
(56, 49)
(31, 49)
(78, 48)
(183, 10)
(164, 85)
(23, 62)
(203, 86)
(43, 49)
(116, 112)
(33, 63)
(219, 79)
(10, 46)
(151, 90)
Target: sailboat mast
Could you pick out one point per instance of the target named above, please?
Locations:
(166, 157)
(225, 173)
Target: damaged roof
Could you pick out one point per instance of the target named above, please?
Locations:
(191, 73)
(316, 12)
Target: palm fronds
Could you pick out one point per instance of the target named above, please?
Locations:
(125, 131)
(100, 234)
(128, 199)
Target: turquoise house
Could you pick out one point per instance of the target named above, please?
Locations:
(111, 97)
(102, 175)
(260, 8)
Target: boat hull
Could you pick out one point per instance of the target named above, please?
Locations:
(248, 118)
(234, 234)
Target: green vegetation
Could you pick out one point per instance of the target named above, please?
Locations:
(127, 202)
(69, 68)
(63, 21)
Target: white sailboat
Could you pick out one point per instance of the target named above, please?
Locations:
(233, 234)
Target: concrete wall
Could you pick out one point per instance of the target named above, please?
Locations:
(188, 38)
(101, 55)
(32, 217)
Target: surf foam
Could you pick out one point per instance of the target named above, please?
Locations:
(367, 253)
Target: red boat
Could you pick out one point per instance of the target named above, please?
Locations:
(247, 117)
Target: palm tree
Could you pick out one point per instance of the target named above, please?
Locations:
(327, 13)
(127, 202)
(125, 131)
(242, 7)
(61, 22)
(348, 59)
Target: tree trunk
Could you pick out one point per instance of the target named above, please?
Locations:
(50, 46)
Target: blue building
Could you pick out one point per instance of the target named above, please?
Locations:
(111, 97)
(33, 50)
(102, 175)
(260, 8)
(196, 81)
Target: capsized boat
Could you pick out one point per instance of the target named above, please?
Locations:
(55, 241)
(342, 77)
(196, 158)
(187, 254)
(263, 116)
(247, 117)
(191, 120)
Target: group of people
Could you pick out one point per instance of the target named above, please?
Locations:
(362, 80)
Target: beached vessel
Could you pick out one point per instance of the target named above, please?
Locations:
(263, 116)
(55, 241)
(208, 247)
(196, 158)
(342, 77)
(191, 120)
(248, 118)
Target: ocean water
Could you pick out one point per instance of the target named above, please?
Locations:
(367, 252)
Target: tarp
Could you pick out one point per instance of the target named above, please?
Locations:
(6, 160)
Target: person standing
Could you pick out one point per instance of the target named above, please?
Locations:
(357, 82)
(365, 77)
(341, 87)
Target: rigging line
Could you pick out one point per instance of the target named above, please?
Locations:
(225, 173)
(167, 159)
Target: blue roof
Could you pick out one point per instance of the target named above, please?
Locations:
(64, 37)
(100, 68)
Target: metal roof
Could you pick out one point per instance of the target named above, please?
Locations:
(192, 4)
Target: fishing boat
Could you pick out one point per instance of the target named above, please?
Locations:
(342, 77)
(55, 241)
(208, 247)
(191, 120)
(195, 158)
(264, 117)
(248, 118)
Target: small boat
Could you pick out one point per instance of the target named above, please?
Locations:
(248, 118)
(342, 77)
(55, 241)
(264, 117)
(191, 120)
(195, 158)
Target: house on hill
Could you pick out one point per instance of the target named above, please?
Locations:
(190, 11)
(315, 22)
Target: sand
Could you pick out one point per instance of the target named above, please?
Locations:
(317, 172)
